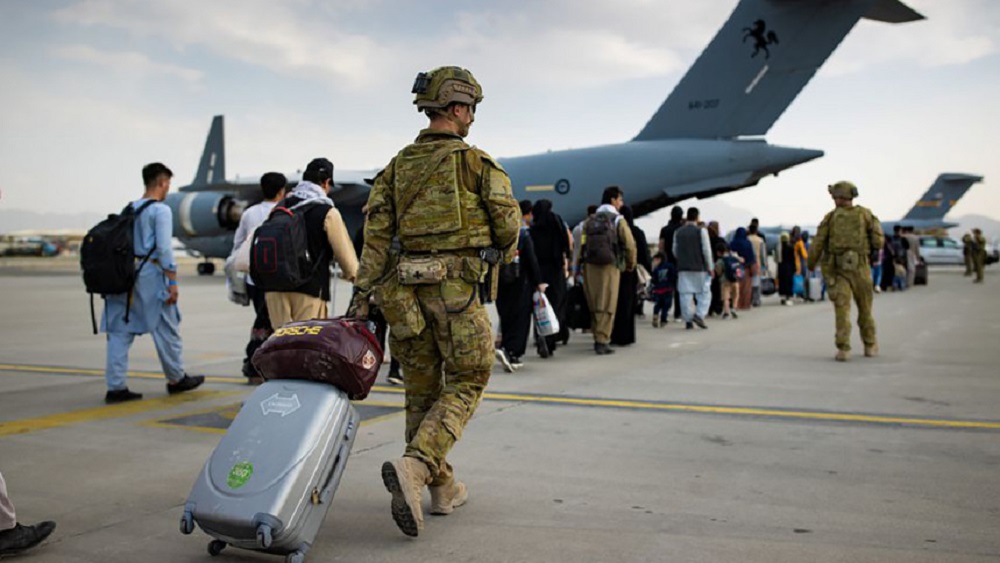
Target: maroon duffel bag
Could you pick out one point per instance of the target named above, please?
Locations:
(341, 352)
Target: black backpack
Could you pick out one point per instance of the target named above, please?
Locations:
(601, 244)
(279, 257)
(107, 257)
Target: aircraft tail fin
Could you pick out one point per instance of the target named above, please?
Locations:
(212, 168)
(758, 63)
(942, 196)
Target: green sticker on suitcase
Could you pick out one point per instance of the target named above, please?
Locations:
(239, 474)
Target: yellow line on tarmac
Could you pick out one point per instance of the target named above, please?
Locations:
(613, 403)
(829, 416)
(744, 411)
(100, 372)
(120, 410)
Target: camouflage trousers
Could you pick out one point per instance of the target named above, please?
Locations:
(446, 368)
(841, 287)
(979, 266)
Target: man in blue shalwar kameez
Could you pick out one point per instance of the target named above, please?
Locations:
(153, 307)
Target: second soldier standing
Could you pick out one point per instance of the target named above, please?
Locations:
(450, 205)
(846, 239)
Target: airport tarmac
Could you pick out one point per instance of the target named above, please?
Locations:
(744, 442)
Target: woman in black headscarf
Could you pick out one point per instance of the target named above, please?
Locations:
(786, 268)
(623, 331)
(719, 247)
(552, 248)
(642, 255)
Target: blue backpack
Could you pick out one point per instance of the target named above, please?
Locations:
(734, 270)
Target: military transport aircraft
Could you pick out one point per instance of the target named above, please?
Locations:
(929, 211)
(706, 138)
(927, 214)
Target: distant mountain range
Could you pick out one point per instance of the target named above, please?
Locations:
(13, 220)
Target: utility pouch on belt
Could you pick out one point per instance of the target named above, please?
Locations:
(421, 270)
(400, 308)
(848, 261)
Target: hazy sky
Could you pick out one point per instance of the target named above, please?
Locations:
(93, 89)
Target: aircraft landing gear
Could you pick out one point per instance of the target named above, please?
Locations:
(206, 268)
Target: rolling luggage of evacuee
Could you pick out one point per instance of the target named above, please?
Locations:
(920, 274)
(270, 482)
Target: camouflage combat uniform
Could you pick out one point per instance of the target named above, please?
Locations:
(967, 253)
(444, 200)
(843, 245)
(978, 255)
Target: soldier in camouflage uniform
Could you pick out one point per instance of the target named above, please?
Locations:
(967, 253)
(844, 243)
(450, 207)
(978, 254)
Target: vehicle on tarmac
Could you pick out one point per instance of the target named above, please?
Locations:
(27, 246)
(937, 251)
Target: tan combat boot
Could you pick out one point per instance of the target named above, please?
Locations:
(405, 478)
(871, 350)
(842, 355)
(447, 498)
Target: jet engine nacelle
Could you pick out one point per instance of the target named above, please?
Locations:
(198, 214)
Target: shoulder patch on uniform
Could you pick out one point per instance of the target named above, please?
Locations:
(488, 159)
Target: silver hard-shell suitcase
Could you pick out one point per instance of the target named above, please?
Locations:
(269, 483)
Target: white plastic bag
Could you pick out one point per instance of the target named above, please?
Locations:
(237, 268)
(546, 321)
(644, 287)
(241, 255)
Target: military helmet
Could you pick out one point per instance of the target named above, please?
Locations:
(843, 189)
(446, 85)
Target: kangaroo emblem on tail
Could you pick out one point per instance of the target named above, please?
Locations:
(761, 37)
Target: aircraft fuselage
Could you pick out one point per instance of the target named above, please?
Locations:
(653, 174)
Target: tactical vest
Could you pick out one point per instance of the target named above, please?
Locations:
(437, 197)
(849, 231)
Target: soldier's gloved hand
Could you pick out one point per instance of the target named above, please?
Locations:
(359, 306)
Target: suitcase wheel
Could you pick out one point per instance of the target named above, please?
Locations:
(295, 557)
(215, 547)
(264, 536)
(187, 523)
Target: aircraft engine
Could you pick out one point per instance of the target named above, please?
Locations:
(201, 214)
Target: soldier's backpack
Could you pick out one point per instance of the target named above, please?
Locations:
(279, 255)
(600, 246)
(733, 268)
(107, 257)
(850, 231)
